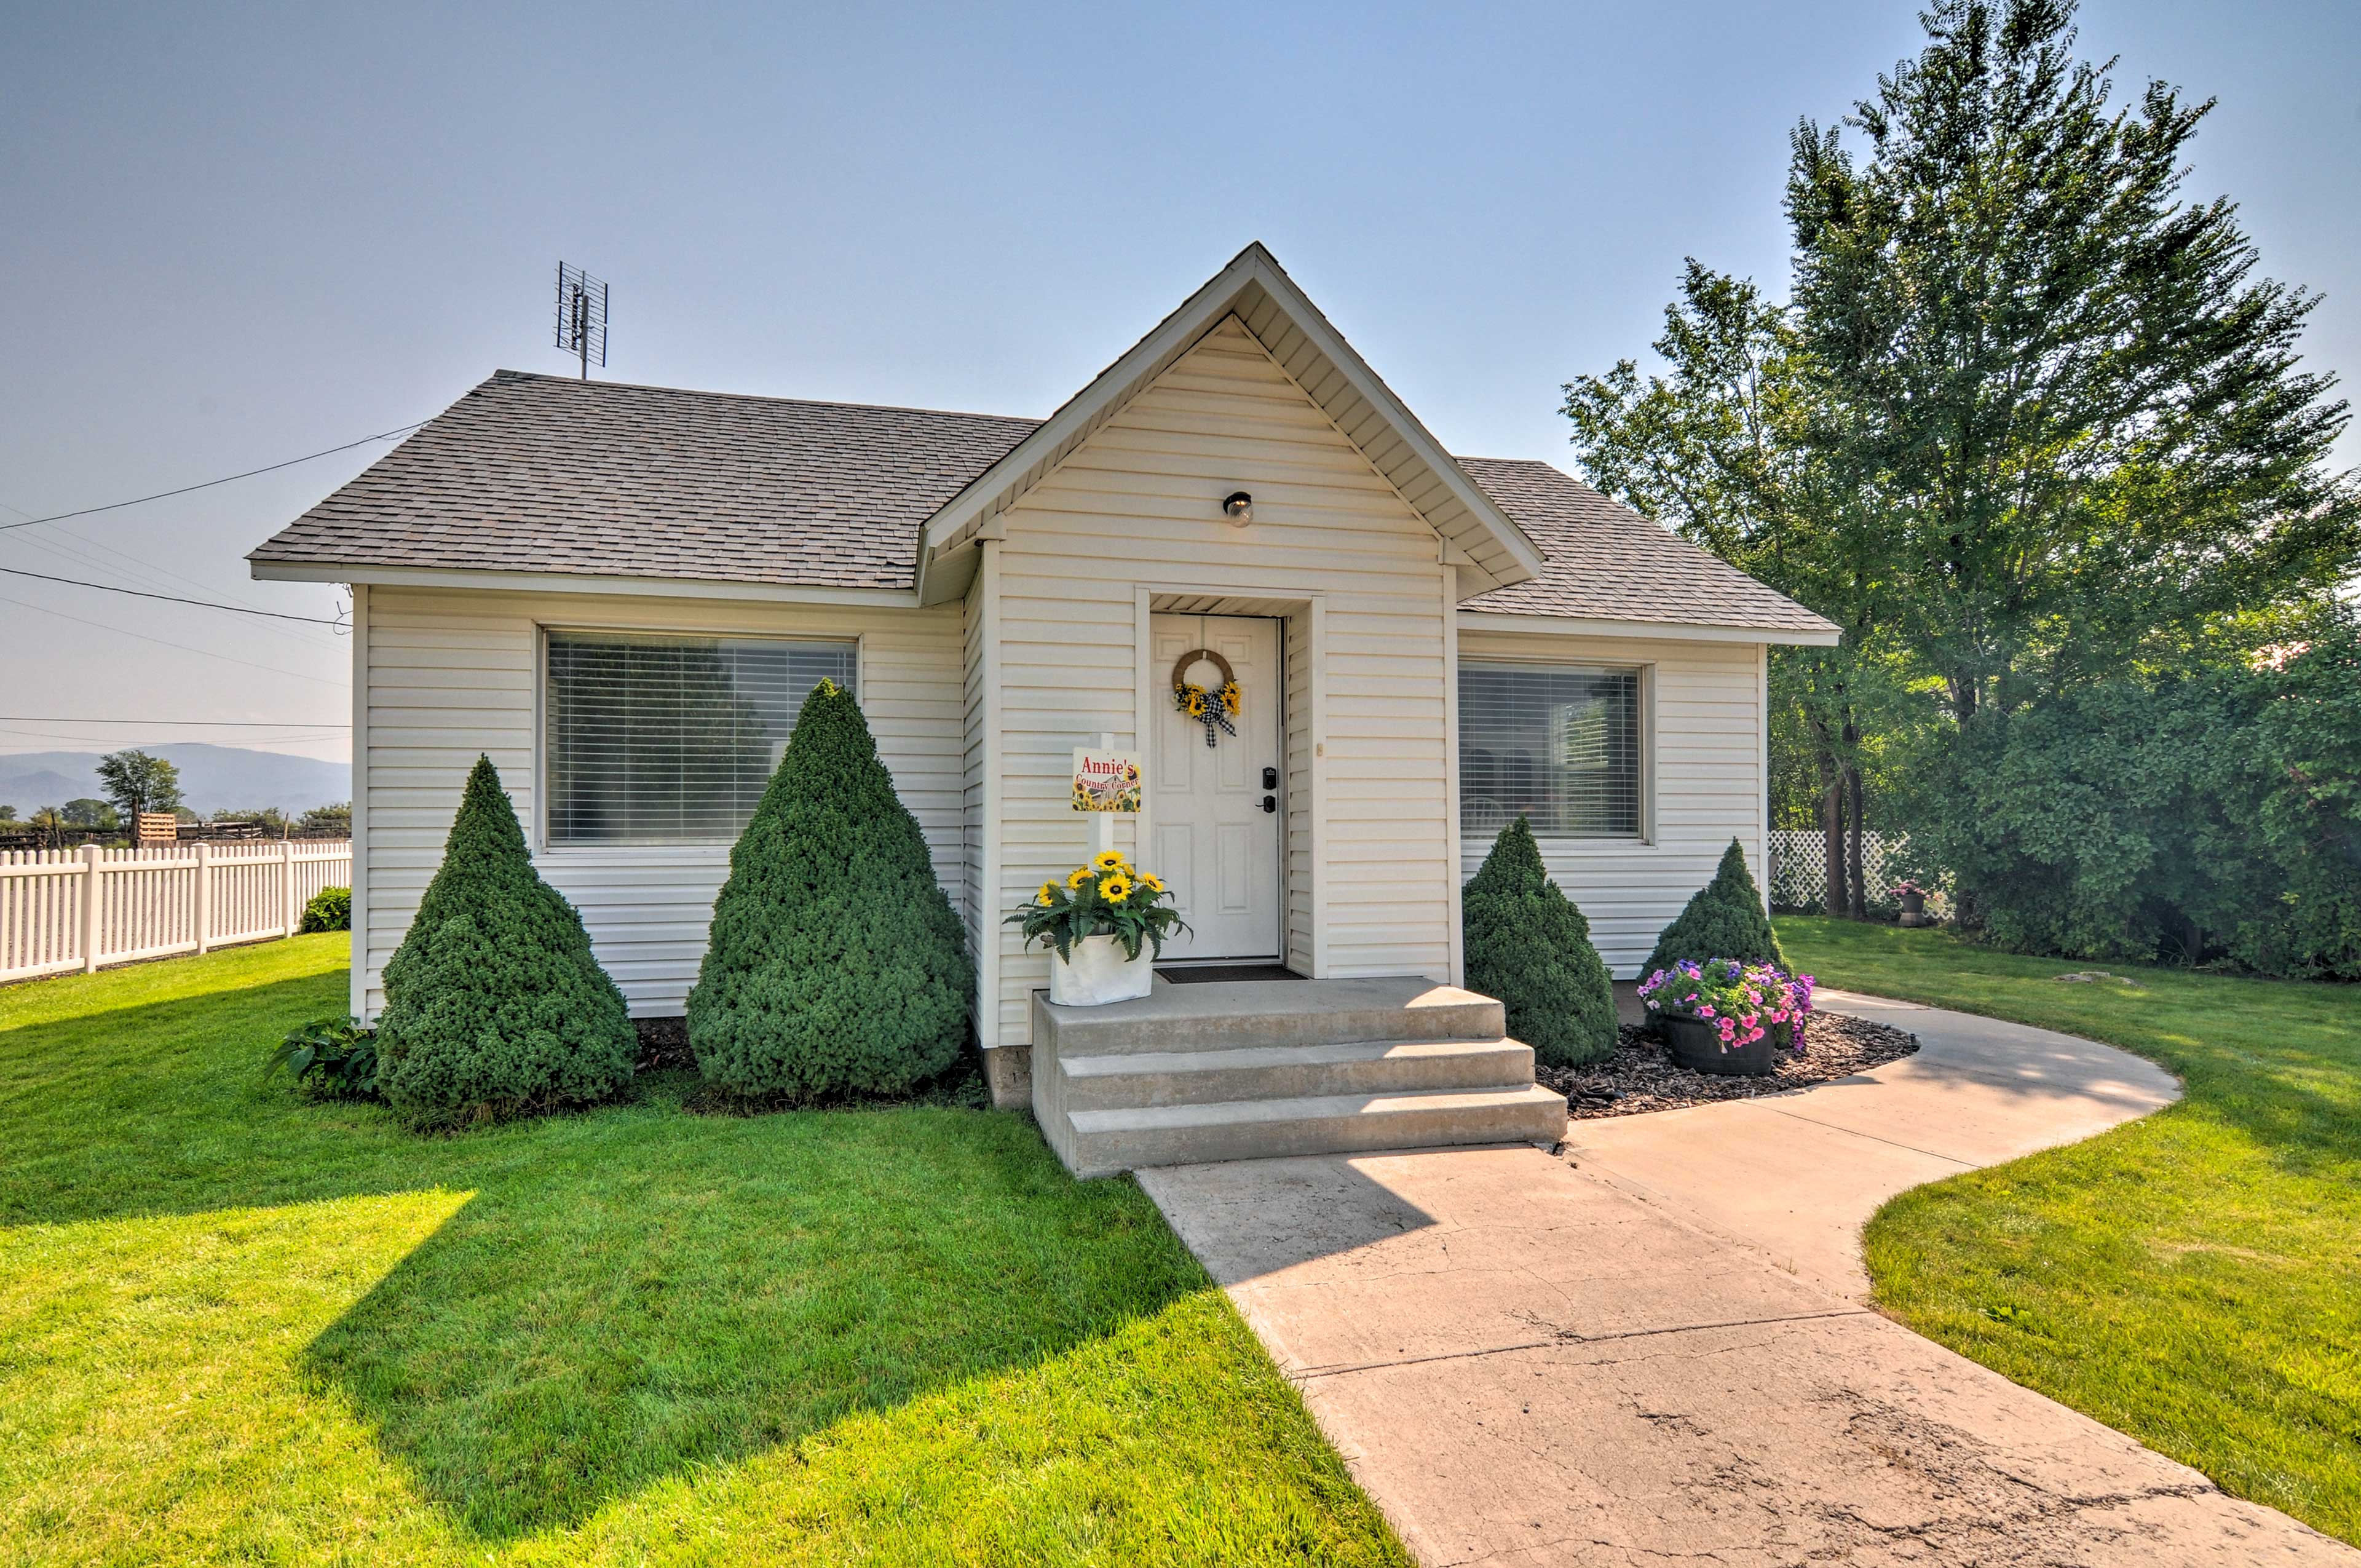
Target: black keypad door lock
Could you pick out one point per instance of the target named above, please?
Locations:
(1270, 778)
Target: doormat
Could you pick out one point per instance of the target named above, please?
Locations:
(1195, 975)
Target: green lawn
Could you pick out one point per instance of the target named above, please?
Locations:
(235, 1326)
(2192, 1278)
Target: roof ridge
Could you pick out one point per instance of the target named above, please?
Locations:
(503, 373)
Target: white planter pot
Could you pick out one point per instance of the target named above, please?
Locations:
(1098, 973)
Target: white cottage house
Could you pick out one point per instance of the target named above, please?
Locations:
(623, 593)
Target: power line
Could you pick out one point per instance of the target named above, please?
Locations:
(208, 484)
(168, 599)
(75, 548)
(207, 723)
(182, 647)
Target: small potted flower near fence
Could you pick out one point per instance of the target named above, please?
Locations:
(1912, 899)
(1726, 1016)
(1103, 927)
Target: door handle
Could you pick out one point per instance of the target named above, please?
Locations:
(1270, 778)
(1270, 803)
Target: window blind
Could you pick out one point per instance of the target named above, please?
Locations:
(669, 740)
(1557, 744)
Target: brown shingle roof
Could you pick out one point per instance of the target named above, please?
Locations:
(541, 473)
(546, 474)
(1607, 562)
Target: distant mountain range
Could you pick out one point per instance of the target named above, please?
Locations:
(212, 778)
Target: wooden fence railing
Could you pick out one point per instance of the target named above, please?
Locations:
(63, 910)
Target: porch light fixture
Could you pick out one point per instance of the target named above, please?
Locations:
(1238, 507)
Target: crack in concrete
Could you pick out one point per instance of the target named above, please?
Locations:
(1564, 1337)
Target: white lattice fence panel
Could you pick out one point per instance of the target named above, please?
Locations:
(1799, 869)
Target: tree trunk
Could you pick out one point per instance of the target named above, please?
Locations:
(1832, 831)
(1860, 872)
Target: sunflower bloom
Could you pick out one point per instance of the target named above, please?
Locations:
(1115, 889)
(1047, 895)
(1152, 881)
(1108, 860)
(1075, 878)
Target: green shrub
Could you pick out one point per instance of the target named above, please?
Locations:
(333, 1058)
(494, 1005)
(2206, 815)
(1725, 920)
(330, 909)
(1530, 946)
(836, 966)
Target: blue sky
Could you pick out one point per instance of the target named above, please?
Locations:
(236, 233)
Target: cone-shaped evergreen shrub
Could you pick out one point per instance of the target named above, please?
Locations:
(493, 1004)
(1530, 946)
(1725, 920)
(836, 966)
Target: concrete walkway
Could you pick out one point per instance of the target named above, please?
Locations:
(1655, 1348)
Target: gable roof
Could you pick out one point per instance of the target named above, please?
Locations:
(546, 476)
(1607, 563)
(1491, 552)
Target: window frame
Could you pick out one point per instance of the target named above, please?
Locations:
(1645, 784)
(634, 851)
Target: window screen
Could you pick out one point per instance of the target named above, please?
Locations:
(1560, 746)
(662, 741)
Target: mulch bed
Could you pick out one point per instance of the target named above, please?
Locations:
(1640, 1077)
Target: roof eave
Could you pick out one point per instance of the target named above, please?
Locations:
(1827, 634)
(496, 580)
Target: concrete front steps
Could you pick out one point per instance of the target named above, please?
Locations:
(1247, 1070)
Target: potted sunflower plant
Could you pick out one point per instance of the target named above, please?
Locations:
(1104, 926)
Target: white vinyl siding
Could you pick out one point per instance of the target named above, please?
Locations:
(1136, 508)
(451, 674)
(1701, 728)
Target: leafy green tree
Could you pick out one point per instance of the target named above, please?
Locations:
(836, 966)
(1724, 919)
(2079, 409)
(494, 1004)
(270, 818)
(8, 814)
(135, 782)
(1717, 447)
(1528, 946)
(327, 821)
(90, 815)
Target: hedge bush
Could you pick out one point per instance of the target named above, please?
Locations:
(330, 909)
(494, 1005)
(1528, 946)
(2209, 815)
(836, 966)
(1724, 920)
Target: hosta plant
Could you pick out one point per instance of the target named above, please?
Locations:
(1105, 896)
(1742, 1002)
(333, 1058)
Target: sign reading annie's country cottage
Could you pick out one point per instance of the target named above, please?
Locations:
(1106, 780)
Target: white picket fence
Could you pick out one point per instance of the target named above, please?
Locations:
(1799, 869)
(63, 910)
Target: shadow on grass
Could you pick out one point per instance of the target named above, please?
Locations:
(633, 1293)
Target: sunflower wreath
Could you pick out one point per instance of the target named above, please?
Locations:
(1215, 708)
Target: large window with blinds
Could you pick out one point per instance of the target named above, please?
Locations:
(1558, 744)
(668, 739)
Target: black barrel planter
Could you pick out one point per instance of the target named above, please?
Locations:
(1695, 1044)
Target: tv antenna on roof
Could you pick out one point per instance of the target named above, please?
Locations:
(582, 317)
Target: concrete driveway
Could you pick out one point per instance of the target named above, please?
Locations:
(1654, 1347)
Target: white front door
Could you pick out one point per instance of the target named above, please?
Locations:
(1216, 811)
